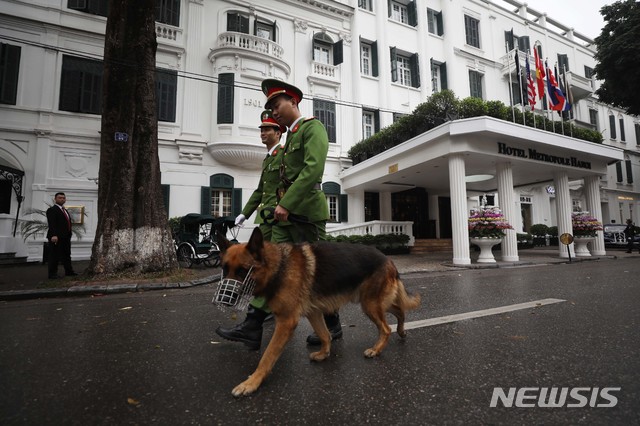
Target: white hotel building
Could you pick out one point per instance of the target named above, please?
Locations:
(360, 64)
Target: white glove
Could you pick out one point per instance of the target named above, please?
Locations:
(240, 219)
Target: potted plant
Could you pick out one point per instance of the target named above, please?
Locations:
(486, 229)
(585, 228)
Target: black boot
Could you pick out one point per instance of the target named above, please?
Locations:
(249, 331)
(334, 326)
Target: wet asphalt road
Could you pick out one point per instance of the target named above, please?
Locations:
(153, 358)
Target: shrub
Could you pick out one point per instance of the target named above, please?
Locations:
(539, 229)
(472, 107)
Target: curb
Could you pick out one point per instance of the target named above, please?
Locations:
(101, 289)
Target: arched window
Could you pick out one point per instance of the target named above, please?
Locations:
(325, 50)
(337, 202)
(220, 198)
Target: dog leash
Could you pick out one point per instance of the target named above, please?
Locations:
(268, 217)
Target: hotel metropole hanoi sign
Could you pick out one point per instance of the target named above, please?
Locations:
(536, 155)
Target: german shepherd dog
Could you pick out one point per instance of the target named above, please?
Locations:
(312, 279)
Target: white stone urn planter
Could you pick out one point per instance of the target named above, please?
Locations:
(580, 246)
(485, 244)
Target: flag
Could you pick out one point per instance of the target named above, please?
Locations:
(567, 91)
(531, 89)
(539, 73)
(556, 97)
(518, 76)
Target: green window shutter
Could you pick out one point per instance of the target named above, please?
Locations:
(413, 14)
(9, 71)
(508, 38)
(389, 8)
(225, 98)
(166, 192)
(343, 207)
(376, 120)
(337, 52)
(415, 70)
(440, 25)
(612, 126)
(629, 171)
(619, 178)
(637, 127)
(623, 138)
(394, 64)
(374, 59)
(236, 201)
(524, 44)
(205, 200)
(443, 76)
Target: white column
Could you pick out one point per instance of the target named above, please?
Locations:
(192, 119)
(459, 214)
(592, 194)
(385, 205)
(508, 207)
(355, 206)
(563, 211)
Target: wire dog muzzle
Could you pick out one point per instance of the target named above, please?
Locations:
(231, 293)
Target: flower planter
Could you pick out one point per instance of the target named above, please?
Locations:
(580, 245)
(485, 244)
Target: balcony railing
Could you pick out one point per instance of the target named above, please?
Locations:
(250, 42)
(375, 227)
(167, 32)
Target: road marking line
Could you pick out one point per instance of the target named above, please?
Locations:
(477, 314)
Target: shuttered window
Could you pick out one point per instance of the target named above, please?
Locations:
(9, 71)
(225, 98)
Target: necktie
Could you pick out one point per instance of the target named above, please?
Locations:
(66, 215)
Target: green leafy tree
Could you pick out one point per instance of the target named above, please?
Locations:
(618, 56)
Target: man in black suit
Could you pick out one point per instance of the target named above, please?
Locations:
(59, 236)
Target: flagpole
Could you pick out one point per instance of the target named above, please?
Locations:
(555, 68)
(553, 122)
(513, 113)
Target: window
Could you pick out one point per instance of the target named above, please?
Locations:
(370, 123)
(366, 5)
(472, 31)
(588, 72)
(622, 136)
(593, 118)
(325, 51)
(475, 84)
(371, 206)
(5, 195)
(404, 12)
(225, 98)
(513, 41)
(369, 58)
(399, 12)
(325, 111)
(438, 76)
(238, 23)
(404, 69)
(166, 89)
(434, 22)
(637, 127)
(563, 63)
(612, 125)
(265, 30)
(9, 70)
(220, 198)
(627, 164)
(168, 12)
(81, 85)
(337, 202)
(95, 7)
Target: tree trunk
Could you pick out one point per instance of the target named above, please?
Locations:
(132, 232)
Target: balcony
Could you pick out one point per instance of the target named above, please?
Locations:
(324, 73)
(168, 34)
(250, 47)
(581, 87)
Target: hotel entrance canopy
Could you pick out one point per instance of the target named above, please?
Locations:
(444, 160)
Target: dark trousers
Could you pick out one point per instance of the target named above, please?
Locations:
(629, 244)
(60, 253)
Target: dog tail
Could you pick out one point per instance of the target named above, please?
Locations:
(407, 301)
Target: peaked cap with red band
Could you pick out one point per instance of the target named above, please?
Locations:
(267, 120)
(273, 88)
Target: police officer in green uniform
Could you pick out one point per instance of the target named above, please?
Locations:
(299, 192)
(250, 331)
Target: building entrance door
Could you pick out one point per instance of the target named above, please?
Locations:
(412, 205)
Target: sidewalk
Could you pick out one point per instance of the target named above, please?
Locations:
(29, 281)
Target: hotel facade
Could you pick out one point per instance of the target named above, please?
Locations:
(361, 65)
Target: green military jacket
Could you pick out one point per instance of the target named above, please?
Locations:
(305, 154)
(265, 193)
